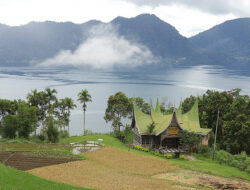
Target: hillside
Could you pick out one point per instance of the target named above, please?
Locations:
(231, 38)
(226, 44)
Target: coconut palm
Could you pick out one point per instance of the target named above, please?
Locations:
(83, 98)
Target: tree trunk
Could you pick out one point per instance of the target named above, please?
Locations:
(68, 120)
(84, 122)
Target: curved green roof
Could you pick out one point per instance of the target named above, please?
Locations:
(188, 121)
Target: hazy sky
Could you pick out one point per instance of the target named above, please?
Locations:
(188, 16)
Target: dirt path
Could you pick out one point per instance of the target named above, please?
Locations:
(192, 177)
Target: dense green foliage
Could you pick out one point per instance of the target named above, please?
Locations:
(21, 118)
(142, 105)
(234, 118)
(190, 139)
(119, 107)
(240, 161)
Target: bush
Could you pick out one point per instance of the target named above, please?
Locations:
(168, 156)
(63, 134)
(204, 150)
(248, 169)
(223, 157)
(182, 157)
(138, 147)
(52, 131)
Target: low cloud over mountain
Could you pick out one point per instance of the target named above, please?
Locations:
(103, 48)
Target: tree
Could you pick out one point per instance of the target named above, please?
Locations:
(52, 131)
(9, 126)
(7, 107)
(22, 123)
(38, 100)
(143, 106)
(237, 126)
(50, 95)
(83, 98)
(64, 107)
(151, 128)
(190, 139)
(27, 119)
(119, 106)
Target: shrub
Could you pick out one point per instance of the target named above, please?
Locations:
(182, 157)
(63, 134)
(52, 131)
(248, 169)
(138, 147)
(204, 150)
(223, 157)
(168, 156)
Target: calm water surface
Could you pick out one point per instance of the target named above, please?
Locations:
(173, 84)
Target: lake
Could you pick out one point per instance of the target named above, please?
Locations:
(172, 84)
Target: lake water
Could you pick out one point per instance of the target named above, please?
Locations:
(173, 84)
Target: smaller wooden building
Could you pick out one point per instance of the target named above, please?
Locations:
(167, 131)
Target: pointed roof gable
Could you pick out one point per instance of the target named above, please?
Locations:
(188, 121)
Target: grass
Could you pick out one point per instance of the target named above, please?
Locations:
(207, 165)
(204, 165)
(108, 140)
(12, 179)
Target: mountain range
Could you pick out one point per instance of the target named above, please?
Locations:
(227, 44)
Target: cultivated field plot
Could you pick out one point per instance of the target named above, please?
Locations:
(111, 168)
(130, 162)
(30, 160)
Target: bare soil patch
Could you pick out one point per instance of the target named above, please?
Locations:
(130, 162)
(90, 174)
(111, 168)
(29, 160)
(192, 177)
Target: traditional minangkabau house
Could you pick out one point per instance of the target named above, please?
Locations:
(167, 130)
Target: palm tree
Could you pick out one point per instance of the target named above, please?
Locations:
(84, 97)
(50, 97)
(69, 105)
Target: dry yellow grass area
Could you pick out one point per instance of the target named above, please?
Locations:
(193, 177)
(130, 162)
(110, 168)
(91, 175)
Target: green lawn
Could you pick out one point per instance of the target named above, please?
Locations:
(204, 165)
(107, 140)
(12, 179)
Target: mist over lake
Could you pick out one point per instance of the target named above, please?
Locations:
(173, 84)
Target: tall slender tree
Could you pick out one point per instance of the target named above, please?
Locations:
(83, 98)
(50, 98)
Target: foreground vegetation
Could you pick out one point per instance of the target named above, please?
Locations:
(12, 179)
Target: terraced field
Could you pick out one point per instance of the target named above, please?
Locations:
(29, 160)
(110, 168)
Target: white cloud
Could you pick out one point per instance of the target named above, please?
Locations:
(237, 7)
(104, 48)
